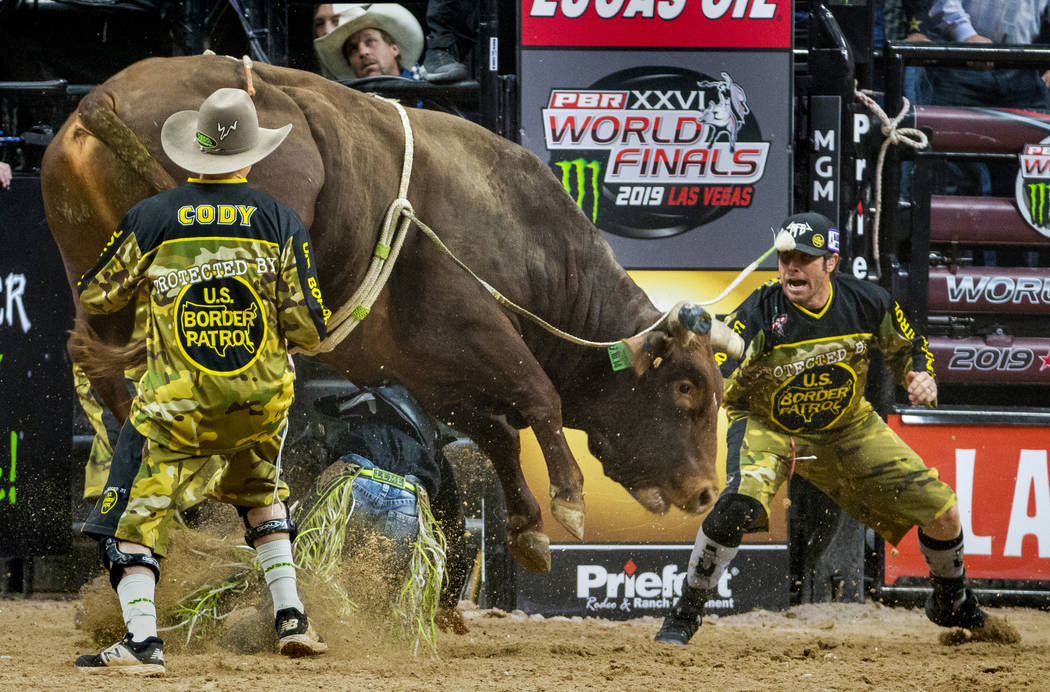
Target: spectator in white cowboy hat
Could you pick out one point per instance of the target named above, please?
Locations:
(370, 41)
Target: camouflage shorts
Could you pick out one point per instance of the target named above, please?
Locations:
(106, 429)
(147, 479)
(865, 468)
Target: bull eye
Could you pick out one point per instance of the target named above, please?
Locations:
(685, 388)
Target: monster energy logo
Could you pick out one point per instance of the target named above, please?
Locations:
(1038, 199)
(580, 167)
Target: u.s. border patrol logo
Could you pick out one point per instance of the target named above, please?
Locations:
(220, 325)
(109, 501)
(814, 399)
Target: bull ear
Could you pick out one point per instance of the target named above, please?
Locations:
(647, 350)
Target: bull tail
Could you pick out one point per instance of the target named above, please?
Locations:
(100, 359)
(98, 117)
(93, 172)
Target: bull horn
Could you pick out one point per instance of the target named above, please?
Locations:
(692, 317)
(687, 319)
(725, 339)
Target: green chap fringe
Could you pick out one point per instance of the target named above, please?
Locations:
(418, 601)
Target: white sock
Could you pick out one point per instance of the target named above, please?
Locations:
(135, 592)
(279, 571)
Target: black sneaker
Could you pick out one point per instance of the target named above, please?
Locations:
(439, 65)
(684, 619)
(953, 605)
(296, 636)
(126, 656)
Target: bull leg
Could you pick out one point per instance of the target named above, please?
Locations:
(538, 402)
(499, 441)
(534, 397)
(566, 479)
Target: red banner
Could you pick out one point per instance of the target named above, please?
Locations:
(1001, 476)
(657, 23)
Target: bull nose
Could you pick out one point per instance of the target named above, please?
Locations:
(696, 499)
(706, 499)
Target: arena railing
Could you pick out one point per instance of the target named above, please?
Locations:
(988, 324)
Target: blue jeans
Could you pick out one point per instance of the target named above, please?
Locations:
(385, 509)
(1003, 88)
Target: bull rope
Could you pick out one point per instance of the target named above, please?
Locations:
(391, 237)
(893, 134)
(399, 216)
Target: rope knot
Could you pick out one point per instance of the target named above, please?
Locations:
(894, 134)
(913, 137)
(402, 207)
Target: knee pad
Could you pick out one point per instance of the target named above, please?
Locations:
(731, 518)
(285, 525)
(115, 560)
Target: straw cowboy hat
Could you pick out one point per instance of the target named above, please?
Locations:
(389, 17)
(222, 137)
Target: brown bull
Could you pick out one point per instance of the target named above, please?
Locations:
(497, 207)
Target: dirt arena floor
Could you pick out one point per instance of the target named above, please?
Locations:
(814, 647)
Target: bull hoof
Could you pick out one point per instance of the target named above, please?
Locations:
(570, 515)
(532, 550)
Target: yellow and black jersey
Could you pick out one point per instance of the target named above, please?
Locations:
(806, 371)
(230, 277)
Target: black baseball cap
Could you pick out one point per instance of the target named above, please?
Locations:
(812, 233)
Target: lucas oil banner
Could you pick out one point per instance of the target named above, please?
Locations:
(675, 143)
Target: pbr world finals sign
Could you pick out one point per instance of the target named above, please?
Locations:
(1033, 186)
(667, 121)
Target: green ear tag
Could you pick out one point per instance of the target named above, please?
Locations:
(620, 356)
